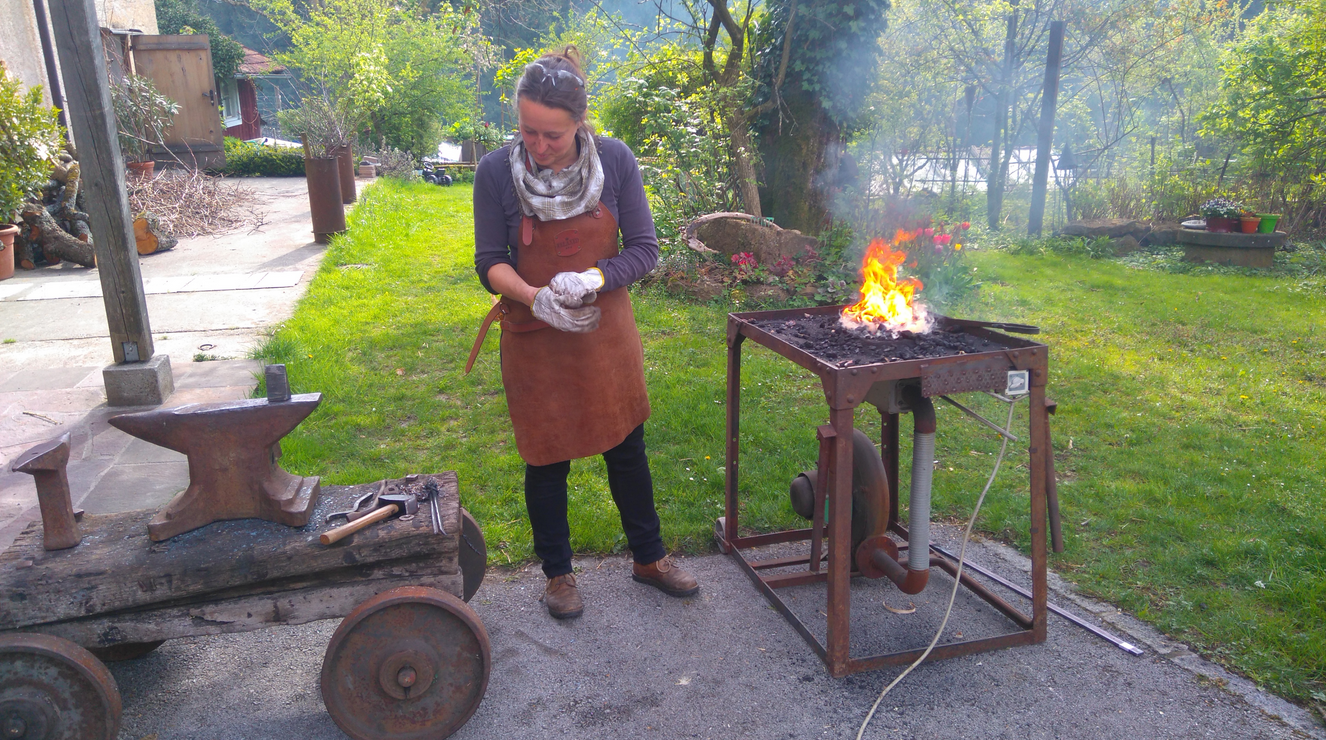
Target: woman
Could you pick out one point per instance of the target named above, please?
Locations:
(548, 210)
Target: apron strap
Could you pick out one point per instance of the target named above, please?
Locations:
(493, 313)
(499, 309)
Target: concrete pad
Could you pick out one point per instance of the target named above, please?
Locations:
(8, 289)
(280, 280)
(206, 283)
(46, 378)
(217, 374)
(137, 486)
(141, 451)
(63, 290)
(723, 664)
(176, 284)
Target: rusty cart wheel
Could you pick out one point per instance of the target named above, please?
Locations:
(412, 662)
(52, 689)
(473, 554)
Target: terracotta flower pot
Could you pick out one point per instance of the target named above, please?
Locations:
(1249, 224)
(7, 234)
(140, 170)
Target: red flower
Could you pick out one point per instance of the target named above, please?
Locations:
(966, 225)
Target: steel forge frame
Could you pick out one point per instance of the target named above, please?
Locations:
(844, 390)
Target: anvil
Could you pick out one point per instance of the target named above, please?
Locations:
(232, 449)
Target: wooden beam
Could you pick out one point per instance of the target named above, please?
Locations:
(1045, 137)
(83, 62)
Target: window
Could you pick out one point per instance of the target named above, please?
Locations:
(230, 113)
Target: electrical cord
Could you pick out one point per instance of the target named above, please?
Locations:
(957, 579)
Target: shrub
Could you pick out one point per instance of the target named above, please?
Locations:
(29, 141)
(142, 112)
(396, 163)
(244, 159)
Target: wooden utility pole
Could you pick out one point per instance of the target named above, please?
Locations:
(1045, 137)
(83, 61)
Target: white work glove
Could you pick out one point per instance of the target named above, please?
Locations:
(576, 289)
(550, 308)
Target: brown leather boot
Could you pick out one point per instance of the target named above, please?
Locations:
(665, 576)
(562, 597)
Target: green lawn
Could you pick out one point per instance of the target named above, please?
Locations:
(1189, 437)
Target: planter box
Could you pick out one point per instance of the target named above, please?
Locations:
(1242, 250)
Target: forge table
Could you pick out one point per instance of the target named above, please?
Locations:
(846, 388)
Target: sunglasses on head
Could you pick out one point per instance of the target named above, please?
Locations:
(553, 76)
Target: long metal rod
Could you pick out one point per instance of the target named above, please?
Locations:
(998, 429)
(1118, 642)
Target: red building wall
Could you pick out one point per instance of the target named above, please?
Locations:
(249, 127)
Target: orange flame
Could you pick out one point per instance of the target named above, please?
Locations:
(887, 301)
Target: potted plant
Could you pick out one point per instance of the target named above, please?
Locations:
(1221, 214)
(143, 113)
(1249, 221)
(326, 130)
(30, 138)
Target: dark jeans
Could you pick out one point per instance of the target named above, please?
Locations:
(632, 490)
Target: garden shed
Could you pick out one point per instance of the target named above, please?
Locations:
(251, 99)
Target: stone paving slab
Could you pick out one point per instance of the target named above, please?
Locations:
(65, 289)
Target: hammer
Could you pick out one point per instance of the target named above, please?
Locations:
(46, 464)
(394, 503)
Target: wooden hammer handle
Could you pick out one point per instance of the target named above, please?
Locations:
(345, 530)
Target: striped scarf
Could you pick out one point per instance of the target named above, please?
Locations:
(553, 196)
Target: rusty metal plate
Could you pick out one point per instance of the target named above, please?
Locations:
(52, 689)
(409, 663)
(961, 377)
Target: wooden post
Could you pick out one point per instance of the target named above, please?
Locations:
(1045, 137)
(83, 61)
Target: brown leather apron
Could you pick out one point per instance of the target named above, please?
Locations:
(571, 395)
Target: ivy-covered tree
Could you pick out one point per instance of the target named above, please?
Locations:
(182, 17)
(832, 51)
(1273, 99)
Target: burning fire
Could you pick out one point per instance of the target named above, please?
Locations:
(887, 302)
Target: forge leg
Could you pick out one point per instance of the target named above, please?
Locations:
(839, 487)
(1038, 426)
(734, 341)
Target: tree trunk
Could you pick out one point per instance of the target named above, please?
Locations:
(743, 156)
(994, 181)
(794, 192)
(55, 240)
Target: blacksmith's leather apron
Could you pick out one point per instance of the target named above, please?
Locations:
(570, 395)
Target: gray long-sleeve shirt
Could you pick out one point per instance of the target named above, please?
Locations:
(497, 215)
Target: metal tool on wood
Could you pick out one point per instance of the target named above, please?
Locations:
(354, 511)
(46, 464)
(431, 494)
(232, 448)
(389, 504)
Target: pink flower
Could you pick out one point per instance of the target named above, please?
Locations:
(939, 248)
(928, 231)
(744, 258)
(943, 238)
